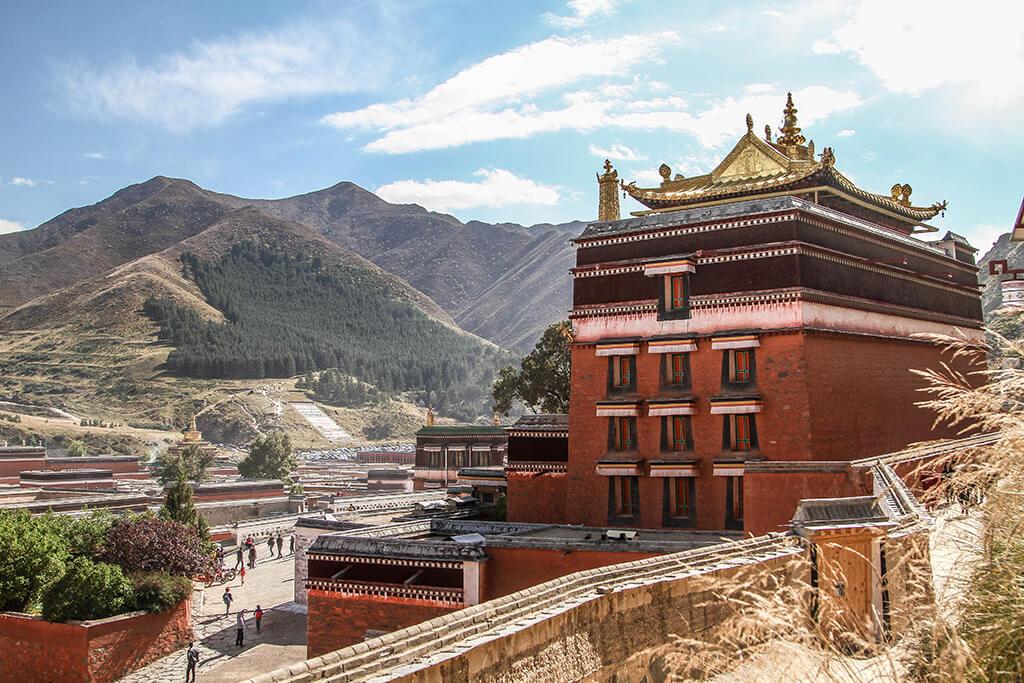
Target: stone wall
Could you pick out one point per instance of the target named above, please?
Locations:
(33, 649)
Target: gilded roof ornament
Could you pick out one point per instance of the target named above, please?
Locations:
(767, 133)
(750, 123)
(901, 193)
(828, 157)
(608, 195)
(665, 172)
(790, 132)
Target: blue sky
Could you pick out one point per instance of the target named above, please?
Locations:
(502, 111)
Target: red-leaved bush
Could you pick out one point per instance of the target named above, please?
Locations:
(145, 543)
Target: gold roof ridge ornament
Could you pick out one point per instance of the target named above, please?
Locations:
(787, 165)
(608, 193)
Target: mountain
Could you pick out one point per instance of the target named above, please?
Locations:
(504, 282)
(1013, 253)
(85, 336)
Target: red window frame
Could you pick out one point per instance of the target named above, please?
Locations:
(680, 504)
(623, 433)
(623, 497)
(679, 425)
(676, 292)
(677, 368)
(741, 440)
(741, 366)
(625, 371)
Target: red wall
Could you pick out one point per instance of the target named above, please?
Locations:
(32, 649)
(13, 468)
(536, 497)
(770, 498)
(88, 463)
(508, 570)
(241, 495)
(335, 621)
(864, 396)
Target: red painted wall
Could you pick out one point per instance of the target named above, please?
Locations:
(88, 463)
(508, 570)
(335, 621)
(241, 495)
(32, 649)
(13, 468)
(770, 498)
(539, 498)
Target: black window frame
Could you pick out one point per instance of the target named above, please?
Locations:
(666, 373)
(666, 432)
(727, 432)
(730, 521)
(665, 312)
(727, 382)
(613, 441)
(614, 388)
(633, 519)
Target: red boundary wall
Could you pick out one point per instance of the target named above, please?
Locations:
(33, 649)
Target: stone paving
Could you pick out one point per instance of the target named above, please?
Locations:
(283, 637)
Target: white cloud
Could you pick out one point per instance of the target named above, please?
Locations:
(487, 101)
(647, 177)
(825, 47)
(846, 133)
(213, 80)
(580, 12)
(93, 155)
(23, 182)
(617, 152)
(513, 95)
(496, 187)
(772, 13)
(7, 226)
(917, 45)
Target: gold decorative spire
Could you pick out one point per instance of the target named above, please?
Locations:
(191, 434)
(750, 123)
(608, 194)
(767, 133)
(665, 171)
(790, 132)
(430, 417)
(497, 420)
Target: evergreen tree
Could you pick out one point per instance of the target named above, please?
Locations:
(179, 505)
(542, 382)
(270, 457)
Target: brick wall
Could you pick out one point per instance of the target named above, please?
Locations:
(770, 498)
(335, 621)
(534, 497)
(33, 649)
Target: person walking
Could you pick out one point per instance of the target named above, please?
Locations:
(241, 573)
(252, 557)
(240, 629)
(240, 558)
(191, 659)
(228, 598)
(270, 545)
(280, 546)
(258, 616)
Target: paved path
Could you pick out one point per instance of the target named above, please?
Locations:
(282, 641)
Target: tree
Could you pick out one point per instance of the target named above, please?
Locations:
(145, 543)
(192, 461)
(32, 555)
(542, 382)
(179, 505)
(270, 457)
(88, 590)
(77, 449)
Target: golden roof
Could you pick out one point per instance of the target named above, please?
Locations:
(758, 166)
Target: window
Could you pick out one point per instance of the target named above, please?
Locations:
(676, 368)
(623, 499)
(680, 501)
(739, 433)
(622, 373)
(677, 433)
(675, 296)
(622, 433)
(734, 503)
(740, 366)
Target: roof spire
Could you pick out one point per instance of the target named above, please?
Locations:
(608, 193)
(790, 132)
(750, 123)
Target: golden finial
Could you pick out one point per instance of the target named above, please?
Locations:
(665, 172)
(810, 150)
(608, 195)
(750, 123)
(430, 417)
(192, 424)
(497, 420)
(828, 157)
(790, 132)
(901, 193)
(767, 133)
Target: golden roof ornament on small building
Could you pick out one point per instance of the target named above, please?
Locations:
(608, 193)
(790, 132)
(191, 433)
(430, 417)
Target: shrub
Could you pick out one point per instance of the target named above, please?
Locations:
(32, 555)
(88, 590)
(159, 591)
(83, 535)
(144, 543)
